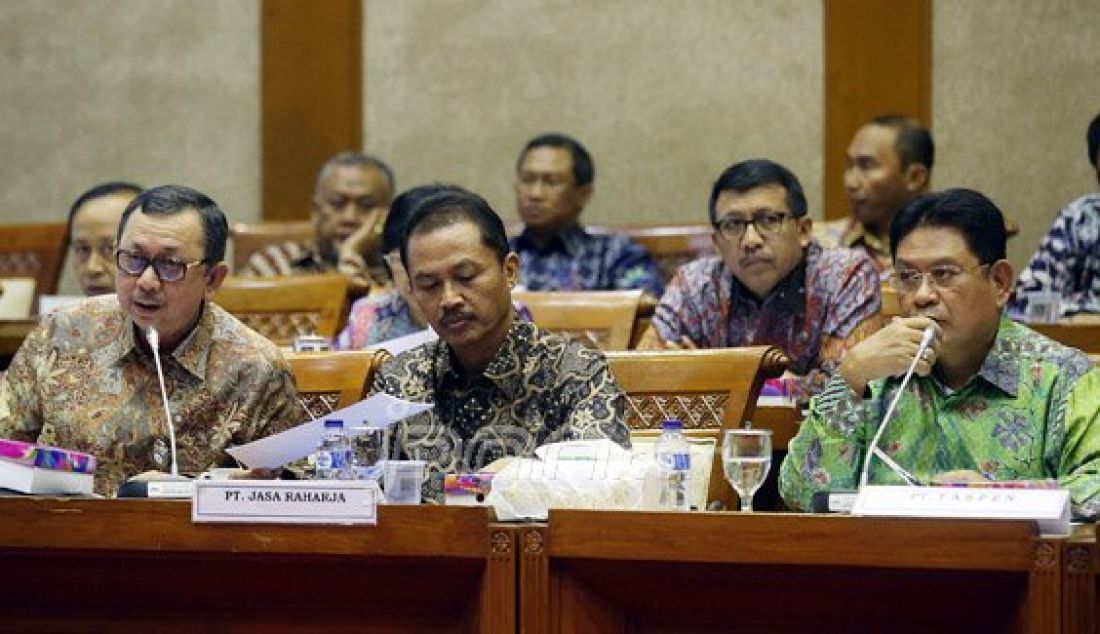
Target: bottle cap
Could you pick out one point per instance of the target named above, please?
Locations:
(672, 423)
(333, 423)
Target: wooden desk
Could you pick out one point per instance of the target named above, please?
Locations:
(139, 565)
(592, 571)
(12, 334)
(1081, 581)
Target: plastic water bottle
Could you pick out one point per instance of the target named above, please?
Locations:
(333, 456)
(673, 456)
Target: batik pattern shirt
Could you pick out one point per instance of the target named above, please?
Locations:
(1031, 412)
(1067, 262)
(81, 382)
(832, 293)
(849, 233)
(299, 258)
(579, 261)
(539, 388)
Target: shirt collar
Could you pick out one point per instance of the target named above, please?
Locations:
(503, 370)
(1001, 367)
(570, 240)
(855, 234)
(191, 354)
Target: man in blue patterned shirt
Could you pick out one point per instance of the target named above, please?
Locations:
(1068, 260)
(554, 177)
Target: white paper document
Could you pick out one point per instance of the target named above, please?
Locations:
(408, 342)
(378, 411)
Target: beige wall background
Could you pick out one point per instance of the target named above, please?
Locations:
(664, 95)
(1015, 84)
(153, 91)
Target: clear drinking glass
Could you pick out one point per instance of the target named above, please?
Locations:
(746, 458)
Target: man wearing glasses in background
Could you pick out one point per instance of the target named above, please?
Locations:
(991, 399)
(771, 284)
(85, 379)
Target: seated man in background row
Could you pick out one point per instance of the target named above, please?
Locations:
(889, 163)
(85, 379)
(350, 200)
(391, 313)
(770, 283)
(1067, 263)
(91, 232)
(501, 387)
(992, 400)
(554, 176)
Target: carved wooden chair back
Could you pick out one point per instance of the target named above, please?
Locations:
(281, 308)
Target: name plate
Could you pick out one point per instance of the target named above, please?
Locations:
(1048, 507)
(286, 501)
(182, 489)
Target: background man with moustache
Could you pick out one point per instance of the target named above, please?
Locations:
(991, 399)
(91, 233)
(770, 283)
(85, 378)
(501, 386)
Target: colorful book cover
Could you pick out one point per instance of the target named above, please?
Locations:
(46, 457)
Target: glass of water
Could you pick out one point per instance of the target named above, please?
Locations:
(746, 457)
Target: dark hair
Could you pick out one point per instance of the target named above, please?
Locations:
(912, 141)
(974, 216)
(402, 208)
(583, 170)
(355, 159)
(168, 200)
(453, 206)
(102, 190)
(747, 175)
(1092, 138)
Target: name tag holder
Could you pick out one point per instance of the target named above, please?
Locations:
(1050, 508)
(286, 502)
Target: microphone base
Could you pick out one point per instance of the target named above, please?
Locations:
(833, 501)
(163, 486)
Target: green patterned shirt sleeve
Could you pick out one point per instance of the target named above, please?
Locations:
(1029, 413)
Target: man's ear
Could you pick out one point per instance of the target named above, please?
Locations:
(917, 177)
(511, 268)
(214, 278)
(805, 229)
(585, 194)
(1003, 278)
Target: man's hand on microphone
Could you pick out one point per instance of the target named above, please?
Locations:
(889, 352)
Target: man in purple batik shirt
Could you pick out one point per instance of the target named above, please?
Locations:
(771, 284)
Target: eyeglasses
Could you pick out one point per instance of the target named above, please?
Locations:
(766, 223)
(940, 276)
(167, 269)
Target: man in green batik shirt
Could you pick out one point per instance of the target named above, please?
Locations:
(989, 400)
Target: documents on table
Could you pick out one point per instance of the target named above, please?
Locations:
(378, 411)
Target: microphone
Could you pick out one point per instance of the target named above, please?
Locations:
(172, 485)
(153, 337)
(873, 449)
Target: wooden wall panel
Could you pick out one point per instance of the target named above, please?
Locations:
(878, 59)
(311, 96)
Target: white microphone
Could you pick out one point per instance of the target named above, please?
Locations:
(873, 449)
(153, 338)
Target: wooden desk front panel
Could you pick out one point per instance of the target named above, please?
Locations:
(647, 572)
(141, 564)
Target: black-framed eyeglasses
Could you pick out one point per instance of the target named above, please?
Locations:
(941, 276)
(766, 223)
(166, 269)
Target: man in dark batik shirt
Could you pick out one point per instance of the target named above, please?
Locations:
(501, 387)
(554, 178)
